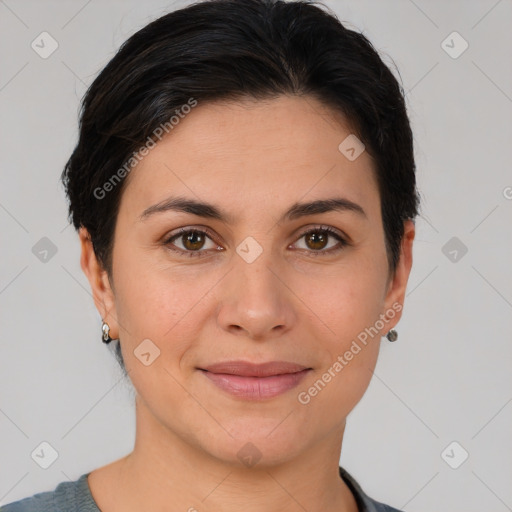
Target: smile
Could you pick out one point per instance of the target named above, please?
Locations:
(256, 388)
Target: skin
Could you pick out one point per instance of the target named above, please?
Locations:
(253, 160)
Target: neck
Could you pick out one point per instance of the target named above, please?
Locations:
(168, 470)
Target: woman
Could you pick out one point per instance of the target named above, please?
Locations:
(244, 191)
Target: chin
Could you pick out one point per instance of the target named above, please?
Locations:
(255, 442)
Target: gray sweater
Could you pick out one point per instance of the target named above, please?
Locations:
(76, 497)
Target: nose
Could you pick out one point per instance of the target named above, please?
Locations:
(255, 301)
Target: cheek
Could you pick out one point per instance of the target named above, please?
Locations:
(346, 302)
(349, 352)
(161, 303)
(152, 305)
(346, 310)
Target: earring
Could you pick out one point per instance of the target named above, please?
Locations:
(392, 335)
(106, 333)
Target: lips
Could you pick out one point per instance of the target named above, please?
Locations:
(249, 381)
(246, 369)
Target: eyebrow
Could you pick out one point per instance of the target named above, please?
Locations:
(296, 211)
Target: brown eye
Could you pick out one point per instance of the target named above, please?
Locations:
(192, 241)
(317, 239)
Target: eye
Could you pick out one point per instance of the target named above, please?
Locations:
(316, 240)
(192, 241)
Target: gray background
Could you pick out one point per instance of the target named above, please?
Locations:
(447, 378)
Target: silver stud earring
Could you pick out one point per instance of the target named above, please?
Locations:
(392, 335)
(106, 333)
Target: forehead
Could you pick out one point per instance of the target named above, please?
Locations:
(249, 155)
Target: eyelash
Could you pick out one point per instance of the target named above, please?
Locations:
(200, 253)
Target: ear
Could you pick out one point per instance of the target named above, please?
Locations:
(395, 294)
(100, 285)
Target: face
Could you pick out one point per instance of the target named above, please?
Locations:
(255, 285)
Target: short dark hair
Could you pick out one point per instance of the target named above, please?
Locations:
(230, 50)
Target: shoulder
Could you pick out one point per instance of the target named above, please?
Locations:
(66, 497)
(42, 502)
(364, 502)
(382, 507)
